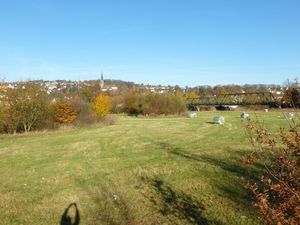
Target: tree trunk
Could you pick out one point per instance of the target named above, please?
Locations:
(25, 127)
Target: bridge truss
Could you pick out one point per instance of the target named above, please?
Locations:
(240, 99)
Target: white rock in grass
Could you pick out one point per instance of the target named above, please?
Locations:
(244, 115)
(218, 120)
(266, 110)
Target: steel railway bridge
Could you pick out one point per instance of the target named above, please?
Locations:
(224, 101)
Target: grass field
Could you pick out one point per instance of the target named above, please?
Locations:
(139, 171)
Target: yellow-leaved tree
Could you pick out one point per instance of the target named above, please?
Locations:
(102, 105)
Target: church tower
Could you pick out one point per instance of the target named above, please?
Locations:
(101, 81)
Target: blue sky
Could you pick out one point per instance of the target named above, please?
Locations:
(185, 42)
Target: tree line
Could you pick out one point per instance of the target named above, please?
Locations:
(28, 106)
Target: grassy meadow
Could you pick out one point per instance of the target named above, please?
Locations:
(138, 171)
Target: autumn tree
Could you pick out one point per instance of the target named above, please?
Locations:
(291, 97)
(64, 112)
(219, 90)
(25, 106)
(133, 103)
(11, 113)
(102, 105)
(191, 94)
(86, 94)
(33, 109)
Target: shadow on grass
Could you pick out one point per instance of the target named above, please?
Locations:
(211, 123)
(233, 165)
(111, 208)
(67, 218)
(231, 186)
(176, 205)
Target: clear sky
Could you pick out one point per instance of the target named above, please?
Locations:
(185, 42)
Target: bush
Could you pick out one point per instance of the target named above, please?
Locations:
(109, 120)
(85, 115)
(154, 104)
(64, 112)
(278, 192)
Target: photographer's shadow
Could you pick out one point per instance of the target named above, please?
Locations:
(67, 219)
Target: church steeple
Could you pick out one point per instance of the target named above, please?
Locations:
(101, 81)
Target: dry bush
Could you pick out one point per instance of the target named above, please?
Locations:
(109, 120)
(154, 104)
(85, 115)
(291, 97)
(64, 112)
(278, 192)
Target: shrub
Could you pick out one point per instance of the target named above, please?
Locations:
(278, 191)
(64, 112)
(118, 103)
(154, 104)
(109, 120)
(85, 115)
(133, 104)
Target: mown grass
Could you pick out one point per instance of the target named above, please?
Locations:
(139, 171)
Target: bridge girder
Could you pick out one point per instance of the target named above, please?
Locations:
(244, 99)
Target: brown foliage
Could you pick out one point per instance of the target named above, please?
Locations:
(153, 104)
(291, 97)
(64, 112)
(278, 192)
(85, 115)
(24, 107)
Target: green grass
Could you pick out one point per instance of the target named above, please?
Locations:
(139, 171)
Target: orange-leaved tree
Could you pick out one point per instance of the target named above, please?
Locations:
(64, 112)
(102, 105)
